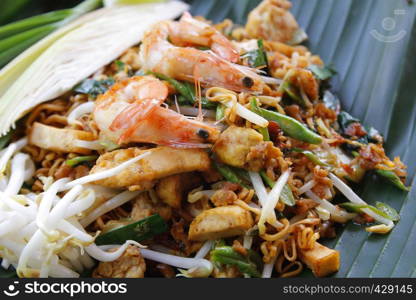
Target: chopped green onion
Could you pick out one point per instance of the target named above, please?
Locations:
(220, 112)
(120, 65)
(392, 178)
(229, 174)
(286, 196)
(139, 231)
(311, 156)
(226, 255)
(80, 159)
(358, 208)
(263, 130)
(388, 210)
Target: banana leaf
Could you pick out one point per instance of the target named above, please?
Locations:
(372, 46)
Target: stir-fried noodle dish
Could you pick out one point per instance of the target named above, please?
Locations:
(205, 150)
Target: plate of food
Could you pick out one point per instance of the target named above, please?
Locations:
(218, 139)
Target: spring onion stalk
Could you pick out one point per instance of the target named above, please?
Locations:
(337, 214)
(33, 22)
(286, 196)
(267, 211)
(37, 28)
(354, 198)
(76, 51)
(79, 160)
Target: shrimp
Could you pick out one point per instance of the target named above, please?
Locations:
(131, 111)
(191, 32)
(158, 53)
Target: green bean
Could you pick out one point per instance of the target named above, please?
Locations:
(229, 174)
(391, 177)
(311, 156)
(255, 108)
(80, 159)
(292, 127)
(286, 196)
(228, 256)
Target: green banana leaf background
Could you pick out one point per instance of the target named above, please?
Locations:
(372, 46)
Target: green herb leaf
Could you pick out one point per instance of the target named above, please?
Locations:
(139, 231)
(257, 58)
(120, 65)
(322, 73)
(93, 87)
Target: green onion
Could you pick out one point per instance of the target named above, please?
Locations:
(226, 255)
(311, 156)
(139, 231)
(33, 22)
(10, 9)
(220, 112)
(255, 108)
(382, 210)
(80, 159)
(229, 174)
(292, 127)
(286, 196)
(392, 178)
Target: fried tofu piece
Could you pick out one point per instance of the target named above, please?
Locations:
(235, 143)
(220, 222)
(171, 190)
(129, 265)
(58, 139)
(322, 260)
(142, 175)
